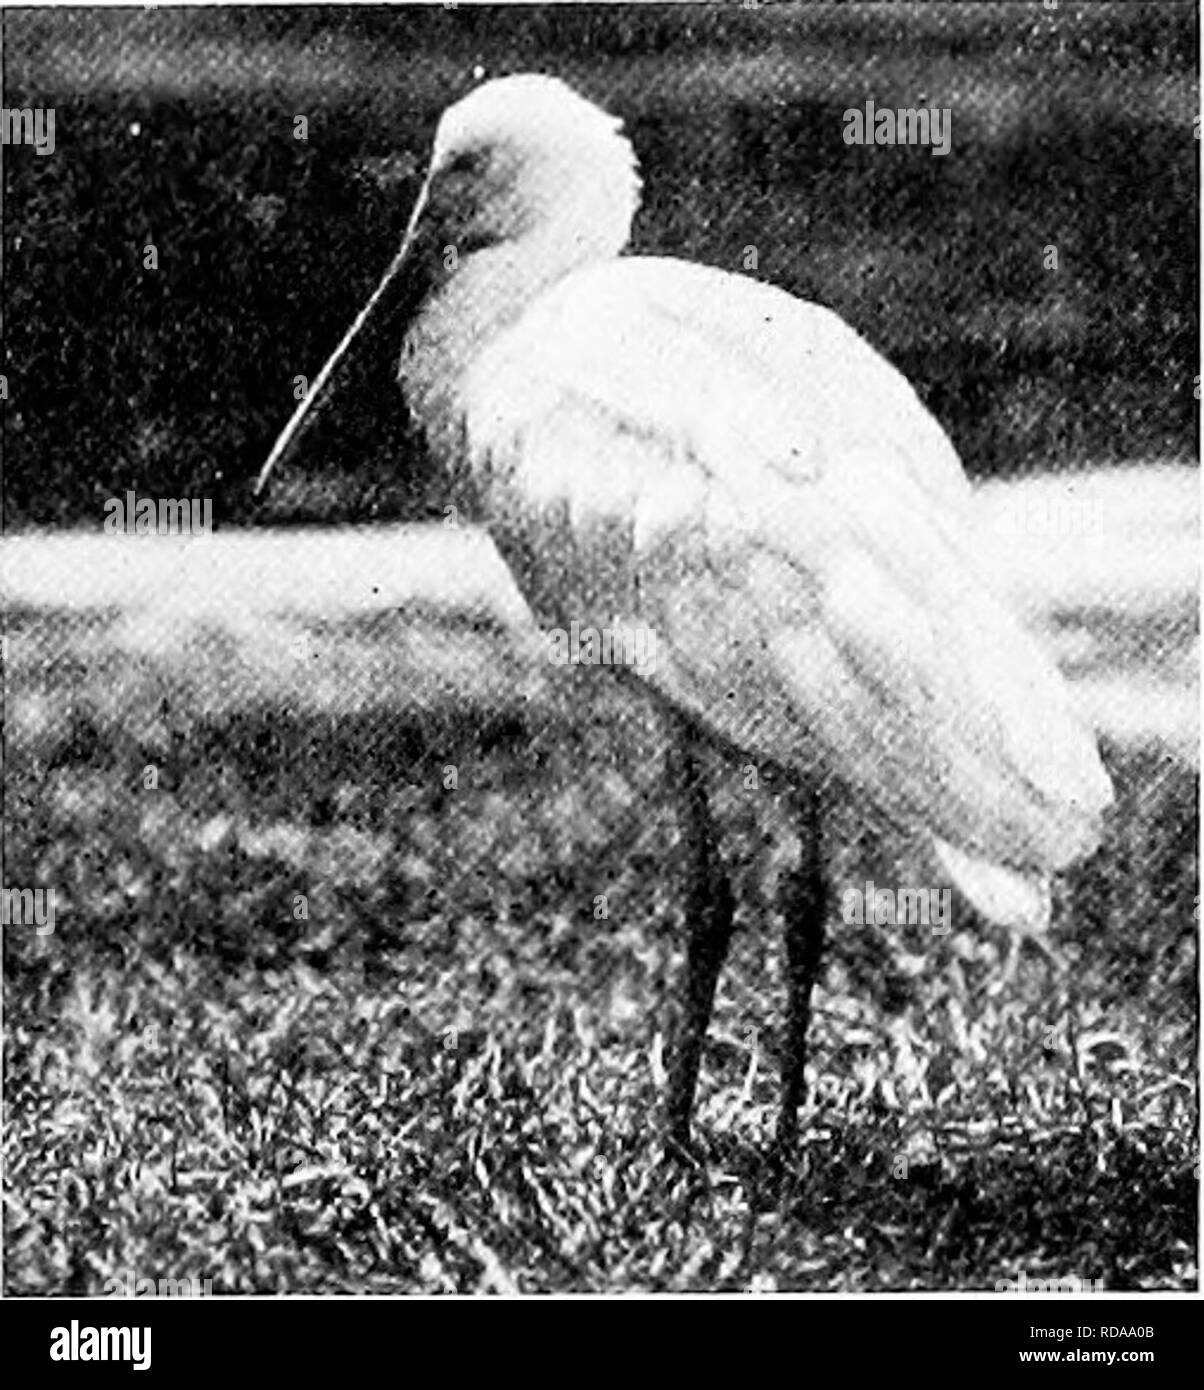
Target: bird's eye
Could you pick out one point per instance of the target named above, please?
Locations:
(464, 163)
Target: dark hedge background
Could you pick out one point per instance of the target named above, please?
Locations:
(1072, 127)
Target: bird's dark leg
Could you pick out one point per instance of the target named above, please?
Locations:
(805, 907)
(710, 915)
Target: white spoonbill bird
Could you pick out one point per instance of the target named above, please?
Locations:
(661, 445)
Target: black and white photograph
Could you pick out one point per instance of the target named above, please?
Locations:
(601, 656)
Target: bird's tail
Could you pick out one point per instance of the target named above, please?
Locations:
(1010, 897)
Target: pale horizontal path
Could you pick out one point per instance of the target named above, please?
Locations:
(1105, 564)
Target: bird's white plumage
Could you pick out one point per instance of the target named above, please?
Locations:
(562, 160)
(796, 528)
(660, 443)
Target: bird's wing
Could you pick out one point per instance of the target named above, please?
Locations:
(697, 455)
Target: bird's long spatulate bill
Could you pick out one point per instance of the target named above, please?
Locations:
(289, 432)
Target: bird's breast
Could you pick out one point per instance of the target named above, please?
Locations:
(481, 299)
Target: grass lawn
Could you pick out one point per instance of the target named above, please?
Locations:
(444, 1075)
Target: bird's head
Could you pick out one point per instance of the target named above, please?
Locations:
(526, 156)
(519, 160)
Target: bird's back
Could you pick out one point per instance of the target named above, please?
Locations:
(667, 445)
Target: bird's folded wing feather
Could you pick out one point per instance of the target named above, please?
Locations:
(738, 471)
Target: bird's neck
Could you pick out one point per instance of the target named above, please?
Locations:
(480, 298)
